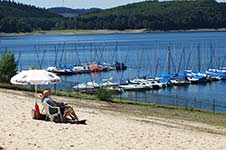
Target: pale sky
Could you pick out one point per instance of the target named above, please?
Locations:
(81, 3)
(78, 3)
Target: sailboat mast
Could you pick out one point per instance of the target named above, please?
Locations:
(169, 67)
(223, 61)
(65, 57)
(184, 59)
(199, 60)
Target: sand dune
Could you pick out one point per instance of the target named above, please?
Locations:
(105, 130)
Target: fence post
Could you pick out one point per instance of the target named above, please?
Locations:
(121, 98)
(195, 104)
(157, 98)
(77, 88)
(145, 98)
(213, 105)
(136, 97)
(186, 105)
(225, 107)
(54, 88)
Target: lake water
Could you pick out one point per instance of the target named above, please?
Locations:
(144, 54)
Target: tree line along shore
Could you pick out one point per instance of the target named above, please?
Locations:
(148, 15)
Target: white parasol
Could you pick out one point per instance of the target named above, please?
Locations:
(35, 77)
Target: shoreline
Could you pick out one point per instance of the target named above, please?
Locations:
(131, 107)
(109, 126)
(106, 31)
(144, 107)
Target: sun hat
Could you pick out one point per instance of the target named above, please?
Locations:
(45, 93)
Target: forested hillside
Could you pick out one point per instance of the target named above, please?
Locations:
(154, 15)
(16, 17)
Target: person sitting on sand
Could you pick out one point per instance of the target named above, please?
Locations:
(66, 110)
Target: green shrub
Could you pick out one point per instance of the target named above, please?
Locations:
(104, 95)
(7, 67)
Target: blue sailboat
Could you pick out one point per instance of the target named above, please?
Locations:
(218, 73)
(179, 79)
(196, 77)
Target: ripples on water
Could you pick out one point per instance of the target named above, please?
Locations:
(140, 52)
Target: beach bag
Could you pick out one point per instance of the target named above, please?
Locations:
(36, 112)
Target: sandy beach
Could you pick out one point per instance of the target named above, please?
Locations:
(105, 129)
(104, 31)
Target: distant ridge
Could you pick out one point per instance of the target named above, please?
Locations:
(69, 12)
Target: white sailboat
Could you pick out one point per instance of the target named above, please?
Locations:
(86, 86)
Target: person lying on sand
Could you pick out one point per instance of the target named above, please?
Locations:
(66, 110)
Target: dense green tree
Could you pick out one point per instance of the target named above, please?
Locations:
(155, 15)
(17, 17)
(7, 67)
(152, 15)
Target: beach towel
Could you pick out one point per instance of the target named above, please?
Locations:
(75, 122)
